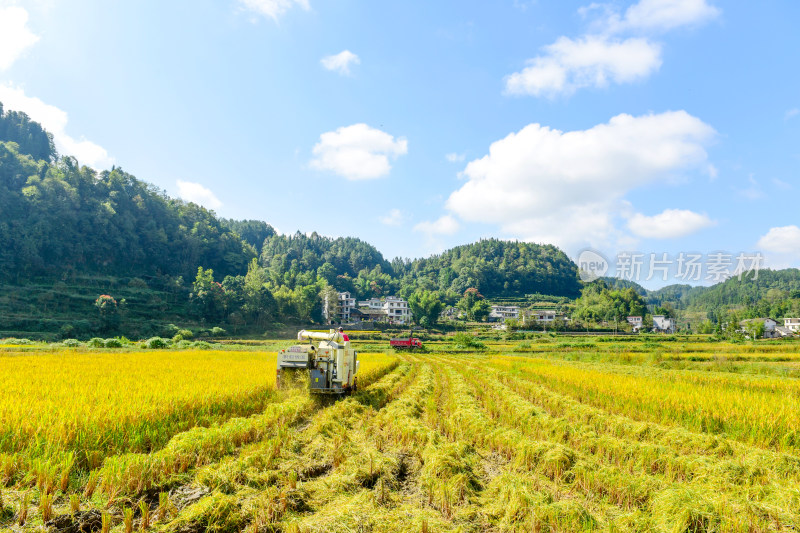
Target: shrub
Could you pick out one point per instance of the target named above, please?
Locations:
(155, 343)
(96, 342)
(67, 331)
(217, 331)
(170, 330)
(201, 345)
(112, 343)
(185, 334)
(465, 341)
(71, 343)
(137, 283)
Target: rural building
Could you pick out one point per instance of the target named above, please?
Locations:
(663, 324)
(501, 313)
(372, 303)
(635, 322)
(770, 326)
(792, 324)
(391, 309)
(346, 305)
(396, 310)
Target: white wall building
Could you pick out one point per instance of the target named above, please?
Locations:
(346, 304)
(372, 303)
(635, 322)
(662, 323)
(397, 310)
(504, 312)
(792, 324)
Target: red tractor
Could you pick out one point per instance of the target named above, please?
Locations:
(405, 344)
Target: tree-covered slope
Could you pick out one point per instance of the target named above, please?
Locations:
(30, 137)
(59, 217)
(496, 268)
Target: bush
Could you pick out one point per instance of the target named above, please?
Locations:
(67, 331)
(137, 283)
(217, 331)
(201, 345)
(96, 342)
(70, 343)
(17, 342)
(155, 343)
(112, 343)
(170, 330)
(185, 334)
(465, 341)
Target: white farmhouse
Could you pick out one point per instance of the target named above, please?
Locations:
(792, 324)
(396, 310)
(663, 324)
(503, 312)
(635, 322)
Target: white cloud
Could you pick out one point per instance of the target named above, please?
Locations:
(341, 62)
(567, 188)
(455, 158)
(272, 8)
(780, 247)
(791, 113)
(782, 185)
(357, 152)
(55, 121)
(664, 15)
(194, 192)
(591, 61)
(603, 56)
(15, 36)
(669, 224)
(394, 217)
(444, 225)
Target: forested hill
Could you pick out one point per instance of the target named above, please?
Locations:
(496, 268)
(57, 217)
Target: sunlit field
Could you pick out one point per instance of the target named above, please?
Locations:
(588, 436)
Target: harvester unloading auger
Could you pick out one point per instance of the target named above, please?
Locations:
(332, 364)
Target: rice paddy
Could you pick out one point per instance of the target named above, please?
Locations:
(576, 438)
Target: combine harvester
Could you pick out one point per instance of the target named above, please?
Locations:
(331, 364)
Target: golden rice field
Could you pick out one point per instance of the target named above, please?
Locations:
(498, 440)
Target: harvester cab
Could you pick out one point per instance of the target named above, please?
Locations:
(332, 365)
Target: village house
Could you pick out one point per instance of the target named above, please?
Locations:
(635, 322)
(662, 324)
(500, 313)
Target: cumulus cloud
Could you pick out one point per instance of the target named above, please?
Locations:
(664, 15)
(669, 224)
(567, 188)
(15, 36)
(341, 62)
(55, 121)
(444, 225)
(197, 193)
(781, 240)
(272, 8)
(394, 217)
(357, 152)
(604, 56)
(591, 61)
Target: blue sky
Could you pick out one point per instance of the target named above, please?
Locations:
(660, 126)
